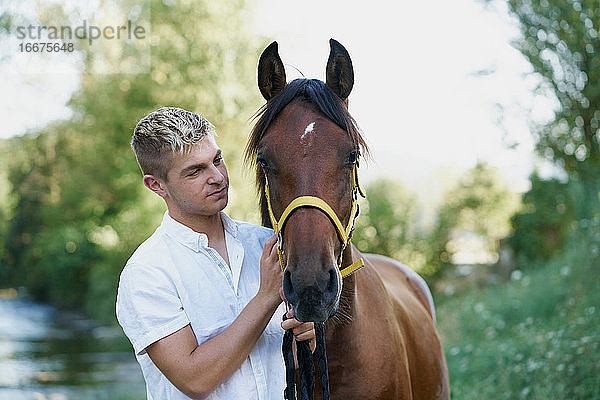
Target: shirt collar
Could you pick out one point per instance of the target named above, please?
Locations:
(190, 238)
(230, 225)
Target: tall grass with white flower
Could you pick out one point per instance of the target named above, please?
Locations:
(535, 337)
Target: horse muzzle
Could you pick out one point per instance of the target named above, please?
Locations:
(314, 297)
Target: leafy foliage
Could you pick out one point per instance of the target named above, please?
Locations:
(560, 40)
(540, 229)
(478, 208)
(529, 339)
(389, 224)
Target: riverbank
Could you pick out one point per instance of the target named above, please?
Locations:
(47, 353)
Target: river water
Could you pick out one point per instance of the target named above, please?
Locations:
(50, 354)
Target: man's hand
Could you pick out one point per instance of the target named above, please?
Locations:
(301, 330)
(270, 273)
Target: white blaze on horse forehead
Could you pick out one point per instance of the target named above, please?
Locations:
(309, 129)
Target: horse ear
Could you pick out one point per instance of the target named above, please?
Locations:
(271, 72)
(339, 74)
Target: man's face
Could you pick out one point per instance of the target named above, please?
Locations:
(197, 181)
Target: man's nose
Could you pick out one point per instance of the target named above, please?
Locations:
(216, 177)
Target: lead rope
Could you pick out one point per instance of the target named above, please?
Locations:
(322, 358)
(288, 357)
(306, 371)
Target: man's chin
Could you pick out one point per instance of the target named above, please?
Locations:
(222, 202)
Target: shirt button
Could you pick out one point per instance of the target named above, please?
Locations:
(258, 371)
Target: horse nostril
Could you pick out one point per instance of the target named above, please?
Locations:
(288, 288)
(332, 286)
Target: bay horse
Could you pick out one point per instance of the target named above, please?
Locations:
(379, 321)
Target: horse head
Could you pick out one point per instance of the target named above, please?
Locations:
(306, 148)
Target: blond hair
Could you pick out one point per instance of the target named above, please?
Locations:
(164, 132)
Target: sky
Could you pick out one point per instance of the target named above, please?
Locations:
(438, 86)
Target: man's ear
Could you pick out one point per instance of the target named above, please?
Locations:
(155, 184)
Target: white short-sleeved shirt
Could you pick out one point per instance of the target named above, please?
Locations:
(174, 279)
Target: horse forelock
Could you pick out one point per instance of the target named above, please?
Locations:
(319, 95)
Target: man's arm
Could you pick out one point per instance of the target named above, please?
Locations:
(197, 369)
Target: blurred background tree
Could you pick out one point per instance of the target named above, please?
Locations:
(560, 40)
(473, 216)
(540, 229)
(77, 207)
(477, 209)
(390, 223)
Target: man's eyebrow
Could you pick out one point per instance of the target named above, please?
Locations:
(192, 167)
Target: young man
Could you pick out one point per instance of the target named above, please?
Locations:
(198, 299)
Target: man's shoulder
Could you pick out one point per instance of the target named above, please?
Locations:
(150, 251)
(253, 228)
(150, 262)
(252, 235)
(249, 231)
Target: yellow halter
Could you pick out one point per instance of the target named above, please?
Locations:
(345, 234)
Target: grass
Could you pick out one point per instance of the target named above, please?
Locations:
(535, 337)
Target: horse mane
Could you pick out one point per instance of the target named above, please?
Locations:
(310, 91)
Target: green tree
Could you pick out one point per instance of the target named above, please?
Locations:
(478, 208)
(541, 229)
(560, 40)
(389, 224)
(78, 205)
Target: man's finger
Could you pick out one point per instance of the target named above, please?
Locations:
(268, 249)
(282, 295)
(271, 240)
(273, 254)
(273, 249)
(302, 329)
(305, 336)
(288, 324)
(292, 322)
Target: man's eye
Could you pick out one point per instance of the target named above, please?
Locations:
(194, 172)
(218, 160)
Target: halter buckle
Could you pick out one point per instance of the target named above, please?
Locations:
(280, 240)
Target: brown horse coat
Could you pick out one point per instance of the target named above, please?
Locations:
(390, 349)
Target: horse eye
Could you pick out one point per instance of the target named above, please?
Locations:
(261, 160)
(352, 158)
